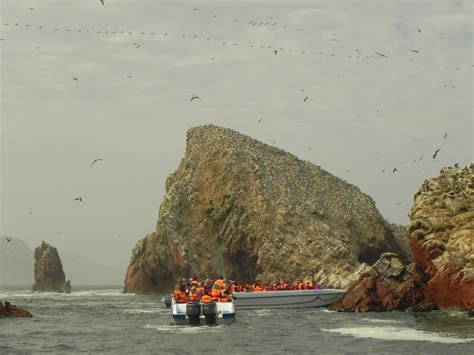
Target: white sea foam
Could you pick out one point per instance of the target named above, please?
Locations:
(399, 334)
(140, 311)
(374, 320)
(185, 329)
(82, 293)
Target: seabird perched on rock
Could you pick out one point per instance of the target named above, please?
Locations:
(456, 165)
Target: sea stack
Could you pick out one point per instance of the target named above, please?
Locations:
(49, 273)
(247, 210)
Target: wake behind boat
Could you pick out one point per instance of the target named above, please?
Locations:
(286, 298)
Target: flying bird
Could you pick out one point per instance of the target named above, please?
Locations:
(347, 171)
(399, 203)
(8, 239)
(195, 97)
(276, 52)
(309, 148)
(102, 2)
(445, 135)
(435, 154)
(394, 170)
(95, 161)
(306, 99)
(416, 50)
(31, 8)
(382, 55)
(420, 158)
(383, 170)
(260, 120)
(77, 199)
(74, 78)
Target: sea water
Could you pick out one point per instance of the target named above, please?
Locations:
(104, 320)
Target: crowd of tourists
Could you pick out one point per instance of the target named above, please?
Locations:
(220, 290)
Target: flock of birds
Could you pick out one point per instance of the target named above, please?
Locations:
(254, 23)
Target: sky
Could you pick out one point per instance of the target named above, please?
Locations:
(130, 104)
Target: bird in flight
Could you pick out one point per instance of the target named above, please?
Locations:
(275, 51)
(445, 135)
(309, 148)
(74, 78)
(31, 8)
(435, 154)
(8, 239)
(420, 158)
(416, 50)
(399, 203)
(260, 120)
(77, 199)
(383, 170)
(382, 55)
(306, 99)
(394, 170)
(347, 171)
(195, 97)
(95, 161)
(102, 2)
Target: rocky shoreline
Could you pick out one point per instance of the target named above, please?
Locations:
(10, 310)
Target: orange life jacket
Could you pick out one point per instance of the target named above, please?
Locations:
(206, 299)
(181, 297)
(192, 297)
(215, 293)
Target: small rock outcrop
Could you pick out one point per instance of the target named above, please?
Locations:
(10, 310)
(248, 210)
(389, 285)
(49, 273)
(441, 237)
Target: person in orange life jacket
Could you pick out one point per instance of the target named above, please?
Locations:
(207, 287)
(200, 290)
(193, 295)
(180, 293)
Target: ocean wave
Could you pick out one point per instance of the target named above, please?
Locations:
(82, 293)
(185, 329)
(375, 320)
(150, 310)
(399, 334)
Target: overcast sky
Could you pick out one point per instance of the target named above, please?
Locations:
(131, 103)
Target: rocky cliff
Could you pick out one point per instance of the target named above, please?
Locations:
(247, 210)
(389, 285)
(48, 270)
(441, 237)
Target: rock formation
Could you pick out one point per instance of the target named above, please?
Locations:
(10, 310)
(441, 236)
(389, 285)
(49, 274)
(251, 211)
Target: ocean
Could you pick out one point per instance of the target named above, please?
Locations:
(103, 320)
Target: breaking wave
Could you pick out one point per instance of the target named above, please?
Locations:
(398, 334)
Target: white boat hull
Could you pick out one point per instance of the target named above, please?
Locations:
(286, 298)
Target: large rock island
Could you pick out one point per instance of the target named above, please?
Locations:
(251, 211)
(49, 273)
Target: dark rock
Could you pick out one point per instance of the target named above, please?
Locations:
(49, 274)
(10, 310)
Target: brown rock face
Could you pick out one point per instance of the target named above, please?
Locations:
(49, 274)
(10, 310)
(388, 285)
(441, 237)
(247, 210)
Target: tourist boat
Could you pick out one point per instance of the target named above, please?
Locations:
(286, 298)
(195, 313)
